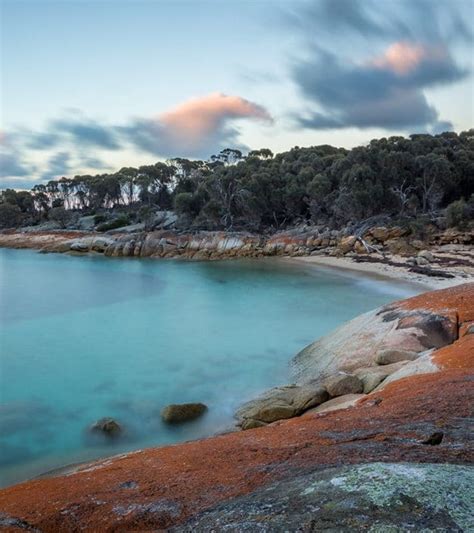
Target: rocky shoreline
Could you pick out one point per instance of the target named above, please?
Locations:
(443, 259)
(393, 459)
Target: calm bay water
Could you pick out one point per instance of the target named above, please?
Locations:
(88, 337)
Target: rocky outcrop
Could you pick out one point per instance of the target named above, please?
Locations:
(365, 354)
(134, 241)
(375, 464)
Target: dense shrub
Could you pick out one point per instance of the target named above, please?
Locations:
(99, 219)
(10, 216)
(119, 222)
(460, 214)
(60, 215)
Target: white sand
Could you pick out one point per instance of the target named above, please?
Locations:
(387, 271)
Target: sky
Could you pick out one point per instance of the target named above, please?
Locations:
(90, 86)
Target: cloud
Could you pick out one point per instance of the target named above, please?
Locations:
(58, 165)
(386, 88)
(75, 128)
(11, 165)
(196, 128)
(364, 20)
(385, 91)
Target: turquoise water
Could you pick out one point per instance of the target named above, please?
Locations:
(88, 337)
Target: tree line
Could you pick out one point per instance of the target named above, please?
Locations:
(397, 176)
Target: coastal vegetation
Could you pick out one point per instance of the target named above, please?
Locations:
(420, 179)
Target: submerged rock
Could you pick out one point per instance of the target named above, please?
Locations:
(182, 412)
(107, 426)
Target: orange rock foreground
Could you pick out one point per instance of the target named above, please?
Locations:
(160, 488)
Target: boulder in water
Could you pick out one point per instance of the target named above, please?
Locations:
(182, 412)
(107, 426)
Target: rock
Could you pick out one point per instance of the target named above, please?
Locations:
(107, 426)
(469, 330)
(86, 223)
(387, 357)
(79, 246)
(164, 219)
(372, 376)
(280, 403)
(423, 365)
(400, 247)
(375, 496)
(436, 330)
(100, 244)
(50, 225)
(341, 402)
(426, 254)
(182, 412)
(346, 244)
(131, 228)
(421, 261)
(381, 233)
(355, 344)
(342, 384)
(359, 248)
(434, 439)
(250, 423)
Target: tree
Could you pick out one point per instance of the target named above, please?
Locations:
(434, 170)
(10, 215)
(60, 215)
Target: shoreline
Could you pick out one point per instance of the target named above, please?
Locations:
(379, 271)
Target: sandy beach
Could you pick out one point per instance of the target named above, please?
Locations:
(460, 274)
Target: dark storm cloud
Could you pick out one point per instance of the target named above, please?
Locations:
(384, 88)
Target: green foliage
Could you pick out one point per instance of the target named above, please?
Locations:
(460, 214)
(99, 219)
(119, 222)
(60, 215)
(396, 176)
(10, 215)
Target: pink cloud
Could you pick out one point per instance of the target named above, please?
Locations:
(403, 57)
(202, 117)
